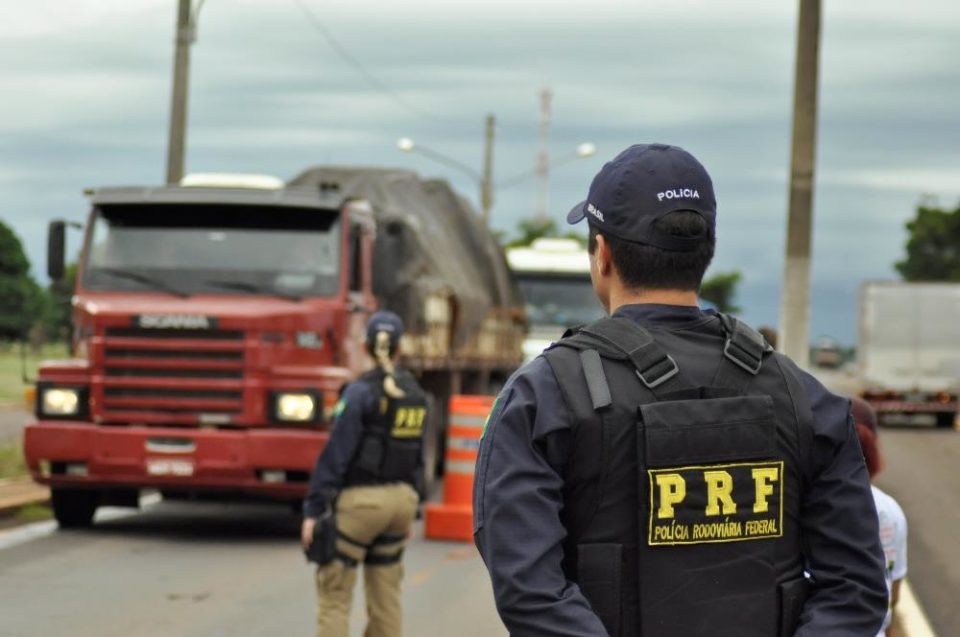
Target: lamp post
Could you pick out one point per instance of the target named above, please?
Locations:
(795, 294)
(485, 180)
(186, 36)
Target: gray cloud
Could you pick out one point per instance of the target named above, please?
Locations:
(86, 103)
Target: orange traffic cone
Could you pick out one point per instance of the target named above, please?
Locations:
(453, 519)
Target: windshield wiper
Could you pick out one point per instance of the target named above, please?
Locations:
(149, 281)
(252, 288)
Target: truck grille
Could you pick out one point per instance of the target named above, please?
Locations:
(172, 376)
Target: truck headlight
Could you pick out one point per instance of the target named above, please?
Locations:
(295, 407)
(59, 401)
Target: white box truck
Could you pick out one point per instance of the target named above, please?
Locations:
(909, 348)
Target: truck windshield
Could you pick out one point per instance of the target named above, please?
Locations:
(214, 249)
(562, 300)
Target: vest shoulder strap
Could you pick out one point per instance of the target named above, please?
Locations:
(571, 373)
(743, 352)
(656, 369)
(596, 380)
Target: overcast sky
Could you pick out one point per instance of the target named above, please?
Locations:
(85, 102)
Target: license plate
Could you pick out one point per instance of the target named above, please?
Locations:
(179, 468)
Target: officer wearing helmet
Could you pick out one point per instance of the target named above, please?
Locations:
(662, 472)
(362, 499)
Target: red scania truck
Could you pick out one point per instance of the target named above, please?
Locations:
(216, 320)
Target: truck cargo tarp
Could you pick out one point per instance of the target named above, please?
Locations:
(429, 241)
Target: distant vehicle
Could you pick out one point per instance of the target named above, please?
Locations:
(216, 320)
(828, 353)
(909, 350)
(554, 276)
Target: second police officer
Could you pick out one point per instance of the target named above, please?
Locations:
(362, 498)
(663, 472)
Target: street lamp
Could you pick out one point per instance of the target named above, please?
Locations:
(485, 181)
(407, 145)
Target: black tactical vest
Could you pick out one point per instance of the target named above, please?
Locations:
(682, 490)
(389, 450)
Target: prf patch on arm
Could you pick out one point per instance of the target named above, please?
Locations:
(716, 503)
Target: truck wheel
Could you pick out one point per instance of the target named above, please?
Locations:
(945, 420)
(74, 508)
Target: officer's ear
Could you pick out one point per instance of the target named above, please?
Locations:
(602, 256)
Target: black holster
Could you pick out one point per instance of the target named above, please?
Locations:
(323, 547)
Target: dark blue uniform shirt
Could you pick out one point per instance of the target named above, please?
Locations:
(518, 499)
(357, 405)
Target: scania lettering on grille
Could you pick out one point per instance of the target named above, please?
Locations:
(716, 503)
(175, 321)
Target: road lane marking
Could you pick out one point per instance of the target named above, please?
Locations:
(910, 614)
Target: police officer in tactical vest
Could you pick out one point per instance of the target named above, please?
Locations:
(362, 499)
(663, 472)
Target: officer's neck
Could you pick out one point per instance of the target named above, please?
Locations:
(620, 296)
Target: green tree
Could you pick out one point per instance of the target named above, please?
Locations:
(933, 246)
(721, 290)
(21, 299)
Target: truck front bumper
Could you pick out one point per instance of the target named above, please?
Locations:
(268, 462)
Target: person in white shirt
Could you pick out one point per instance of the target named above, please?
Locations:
(893, 523)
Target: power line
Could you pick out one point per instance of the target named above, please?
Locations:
(347, 57)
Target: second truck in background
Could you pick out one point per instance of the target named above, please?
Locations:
(909, 349)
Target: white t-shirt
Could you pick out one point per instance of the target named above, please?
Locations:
(893, 538)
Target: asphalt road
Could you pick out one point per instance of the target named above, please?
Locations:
(195, 570)
(923, 473)
(207, 570)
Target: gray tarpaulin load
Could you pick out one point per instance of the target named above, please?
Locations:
(429, 241)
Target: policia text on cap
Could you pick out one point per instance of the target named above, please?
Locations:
(361, 502)
(663, 472)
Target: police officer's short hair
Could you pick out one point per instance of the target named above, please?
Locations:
(647, 267)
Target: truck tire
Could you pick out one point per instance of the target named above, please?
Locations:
(945, 420)
(74, 508)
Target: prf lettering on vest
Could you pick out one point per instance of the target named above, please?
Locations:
(764, 479)
(408, 422)
(673, 489)
(716, 503)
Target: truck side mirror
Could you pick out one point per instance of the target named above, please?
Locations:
(56, 249)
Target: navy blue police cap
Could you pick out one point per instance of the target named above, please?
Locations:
(641, 185)
(384, 321)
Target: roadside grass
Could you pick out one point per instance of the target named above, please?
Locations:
(11, 369)
(33, 513)
(12, 464)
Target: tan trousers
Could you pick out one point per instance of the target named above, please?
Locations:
(372, 527)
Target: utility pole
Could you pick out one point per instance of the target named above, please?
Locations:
(486, 182)
(543, 158)
(177, 144)
(795, 294)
